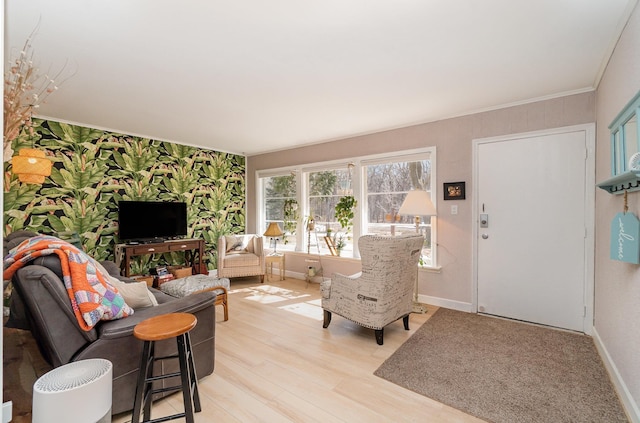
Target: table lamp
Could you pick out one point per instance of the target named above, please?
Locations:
(274, 231)
(417, 203)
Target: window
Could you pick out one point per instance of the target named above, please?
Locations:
(280, 206)
(378, 183)
(387, 183)
(326, 187)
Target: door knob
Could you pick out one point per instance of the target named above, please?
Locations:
(485, 236)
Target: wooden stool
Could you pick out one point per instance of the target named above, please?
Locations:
(166, 326)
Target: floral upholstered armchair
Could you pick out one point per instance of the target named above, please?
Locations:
(241, 255)
(383, 292)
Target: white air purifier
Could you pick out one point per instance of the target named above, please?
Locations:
(78, 392)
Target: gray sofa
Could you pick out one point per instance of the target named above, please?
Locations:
(40, 303)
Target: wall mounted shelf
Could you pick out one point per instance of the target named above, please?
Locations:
(628, 181)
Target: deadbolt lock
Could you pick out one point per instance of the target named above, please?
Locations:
(484, 220)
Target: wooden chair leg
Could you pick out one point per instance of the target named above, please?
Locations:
(327, 319)
(379, 333)
(225, 305)
(405, 320)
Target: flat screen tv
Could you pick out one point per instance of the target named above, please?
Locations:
(144, 221)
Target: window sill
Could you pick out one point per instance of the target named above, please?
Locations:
(426, 269)
(430, 269)
(321, 255)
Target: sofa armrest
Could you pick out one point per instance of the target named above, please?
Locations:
(344, 285)
(51, 318)
(222, 249)
(258, 248)
(124, 327)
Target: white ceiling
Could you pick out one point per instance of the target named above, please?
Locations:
(251, 76)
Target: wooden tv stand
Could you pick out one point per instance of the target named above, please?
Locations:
(193, 247)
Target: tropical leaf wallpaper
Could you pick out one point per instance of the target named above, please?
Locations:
(94, 169)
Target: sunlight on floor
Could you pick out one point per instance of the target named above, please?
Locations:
(309, 309)
(268, 294)
(295, 300)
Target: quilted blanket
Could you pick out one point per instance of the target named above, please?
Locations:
(92, 297)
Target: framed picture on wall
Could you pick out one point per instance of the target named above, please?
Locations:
(454, 191)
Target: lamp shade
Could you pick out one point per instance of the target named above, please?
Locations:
(273, 230)
(418, 203)
(31, 166)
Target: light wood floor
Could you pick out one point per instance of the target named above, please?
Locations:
(275, 363)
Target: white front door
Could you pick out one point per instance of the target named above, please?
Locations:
(533, 228)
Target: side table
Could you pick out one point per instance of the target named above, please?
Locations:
(274, 258)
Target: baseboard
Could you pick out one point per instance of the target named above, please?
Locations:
(302, 276)
(424, 299)
(443, 302)
(628, 403)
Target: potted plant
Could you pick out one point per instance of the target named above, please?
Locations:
(345, 211)
(339, 242)
(290, 218)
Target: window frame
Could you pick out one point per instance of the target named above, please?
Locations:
(262, 223)
(428, 153)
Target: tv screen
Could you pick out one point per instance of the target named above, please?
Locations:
(151, 220)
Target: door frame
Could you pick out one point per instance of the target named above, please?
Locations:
(589, 250)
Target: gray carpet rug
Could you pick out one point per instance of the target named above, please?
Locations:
(505, 371)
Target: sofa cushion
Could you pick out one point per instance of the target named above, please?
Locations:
(124, 327)
(241, 260)
(188, 285)
(135, 294)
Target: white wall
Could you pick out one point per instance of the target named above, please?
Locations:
(617, 284)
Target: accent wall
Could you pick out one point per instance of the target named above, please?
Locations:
(93, 169)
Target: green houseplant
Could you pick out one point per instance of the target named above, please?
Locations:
(290, 218)
(345, 211)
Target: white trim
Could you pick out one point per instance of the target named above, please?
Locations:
(280, 171)
(628, 403)
(402, 156)
(434, 219)
(589, 272)
(302, 276)
(446, 303)
(259, 205)
(622, 24)
(341, 164)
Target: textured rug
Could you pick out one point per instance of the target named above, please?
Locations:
(505, 371)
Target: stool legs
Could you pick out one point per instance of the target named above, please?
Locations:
(143, 389)
(190, 394)
(188, 378)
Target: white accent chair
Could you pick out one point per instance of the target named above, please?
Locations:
(383, 292)
(241, 255)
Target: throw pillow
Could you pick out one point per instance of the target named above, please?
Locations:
(237, 244)
(231, 243)
(135, 294)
